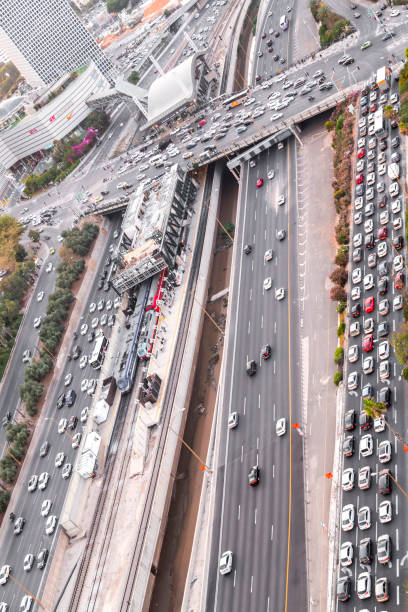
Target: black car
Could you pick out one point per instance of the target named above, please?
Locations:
(70, 397)
(103, 275)
(398, 243)
(384, 396)
(383, 285)
(45, 447)
(367, 392)
(384, 484)
(365, 555)
(107, 285)
(7, 418)
(348, 446)
(349, 420)
(395, 142)
(251, 367)
(76, 351)
(365, 91)
(365, 421)
(73, 422)
(266, 351)
(247, 249)
(343, 588)
(253, 476)
(42, 558)
(355, 311)
(61, 400)
(364, 111)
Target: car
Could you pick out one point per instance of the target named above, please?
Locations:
(364, 518)
(83, 362)
(356, 255)
(369, 241)
(358, 202)
(268, 255)
(365, 421)
(368, 282)
(368, 225)
(66, 471)
(396, 207)
(353, 353)
(368, 343)
(68, 379)
(357, 240)
(352, 381)
(26, 603)
(398, 243)
(281, 234)
(109, 305)
(384, 370)
(19, 525)
(347, 479)
(92, 383)
(343, 590)
(62, 426)
(40, 296)
(83, 329)
(95, 323)
(384, 484)
(354, 328)
(348, 446)
(369, 304)
(91, 336)
(99, 285)
(384, 396)
(359, 178)
(356, 275)
(367, 392)
(397, 302)
(382, 589)
(364, 477)
(101, 304)
(267, 284)
(385, 512)
(384, 349)
(379, 424)
(107, 285)
(92, 307)
(368, 325)
(253, 476)
(382, 329)
(369, 194)
(50, 524)
(358, 217)
(346, 554)
(76, 440)
(372, 260)
(366, 445)
(225, 563)
(347, 517)
(28, 562)
(383, 307)
(37, 322)
(384, 451)
(363, 588)
(395, 142)
(384, 217)
(281, 200)
(399, 280)
(49, 267)
(43, 480)
(59, 459)
(360, 190)
(280, 426)
(73, 421)
(42, 558)
(259, 182)
(45, 447)
(247, 249)
(384, 549)
(5, 572)
(279, 293)
(32, 483)
(46, 507)
(368, 365)
(233, 420)
(382, 285)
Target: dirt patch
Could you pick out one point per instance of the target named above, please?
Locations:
(178, 540)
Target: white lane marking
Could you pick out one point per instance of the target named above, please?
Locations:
(255, 214)
(274, 327)
(252, 265)
(239, 512)
(398, 595)
(274, 367)
(262, 322)
(255, 516)
(252, 582)
(267, 605)
(250, 295)
(257, 444)
(244, 404)
(259, 400)
(273, 471)
(271, 533)
(242, 453)
(249, 327)
(274, 412)
(397, 539)
(397, 570)
(235, 577)
(396, 505)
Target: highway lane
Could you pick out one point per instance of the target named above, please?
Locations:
(33, 538)
(254, 521)
(395, 415)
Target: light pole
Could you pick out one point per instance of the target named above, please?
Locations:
(204, 467)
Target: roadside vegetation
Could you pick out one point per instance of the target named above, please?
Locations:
(134, 77)
(332, 27)
(341, 125)
(77, 243)
(63, 160)
(403, 91)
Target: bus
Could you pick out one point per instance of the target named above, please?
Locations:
(98, 353)
(284, 23)
(380, 129)
(235, 99)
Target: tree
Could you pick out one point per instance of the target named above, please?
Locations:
(339, 276)
(8, 469)
(114, 6)
(374, 409)
(337, 378)
(34, 235)
(337, 294)
(4, 500)
(134, 77)
(339, 356)
(390, 112)
(10, 232)
(400, 344)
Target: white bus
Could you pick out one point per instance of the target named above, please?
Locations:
(98, 353)
(380, 129)
(284, 23)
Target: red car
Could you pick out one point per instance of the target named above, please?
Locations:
(259, 182)
(369, 304)
(382, 233)
(361, 153)
(359, 179)
(368, 343)
(263, 36)
(201, 123)
(373, 108)
(399, 280)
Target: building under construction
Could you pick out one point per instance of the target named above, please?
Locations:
(152, 228)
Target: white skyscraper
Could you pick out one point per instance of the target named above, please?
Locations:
(45, 39)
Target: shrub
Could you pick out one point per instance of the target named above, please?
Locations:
(330, 125)
(338, 377)
(339, 356)
(341, 258)
(4, 500)
(341, 306)
(8, 469)
(339, 276)
(405, 372)
(341, 328)
(337, 294)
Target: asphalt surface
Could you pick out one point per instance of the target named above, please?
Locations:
(253, 522)
(396, 416)
(33, 537)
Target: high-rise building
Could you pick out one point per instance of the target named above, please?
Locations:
(45, 39)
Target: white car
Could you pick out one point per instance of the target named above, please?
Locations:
(356, 275)
(37, 322)
(109, 305)
(393, 189)
(268, 255)
(381, 169)
(26, 603)
(371, 178)
(368, 282)
(358, 202)
(83, 362)
(384, 349)
(347, 517)
(225, 564)
(354, 328)
(40, 296)
(84, 414)
(358, 217)
(5, 572)
(394, 13)
(347, 479)
(396, 206)
(59, 459)
(117, 302)
(352, 381)
(43, 480)
(68, 379)
(84, 329)
(32, 483)
(267, 284)
(84, 384)
(281, 200)
(95, 322)
(51, 524)
(398, 263)
(355, 293)
(379, 424)
(353, 353)
(92, 307)
(384, 217)
(384, 451)
(383, 307)
(382, 249)
(385, 512)
(271, 174)
(397, 302)
(346, 554)
(397, 223)
(28, 562)
(364, 586)
(279, 293)
(233, 420)
(62, 426)
(76, 440)
(368, 226)
(357, 240)
(366, 445)
(49, 267)
(46, 507)
(281, 426)
(66, 471)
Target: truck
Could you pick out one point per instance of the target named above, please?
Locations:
(383, 78)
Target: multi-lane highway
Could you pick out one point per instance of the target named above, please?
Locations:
(33, 537)
(379, 223)
(262, 525)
